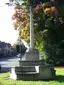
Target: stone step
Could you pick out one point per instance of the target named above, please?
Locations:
(26, 69)
(27, 76)
(24, 73)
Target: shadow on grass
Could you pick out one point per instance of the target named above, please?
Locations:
(60, 78)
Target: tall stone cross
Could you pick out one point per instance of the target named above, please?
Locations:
(31, 54)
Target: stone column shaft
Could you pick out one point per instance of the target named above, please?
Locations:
(31, 29)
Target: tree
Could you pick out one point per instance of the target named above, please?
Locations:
(48, 26)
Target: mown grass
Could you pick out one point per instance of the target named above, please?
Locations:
(59, 80)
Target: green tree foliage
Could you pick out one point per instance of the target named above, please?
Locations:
(33, 3)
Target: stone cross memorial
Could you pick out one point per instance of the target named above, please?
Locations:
(32, 53)
(30, 66)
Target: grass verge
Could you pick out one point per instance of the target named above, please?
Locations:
(5, 80)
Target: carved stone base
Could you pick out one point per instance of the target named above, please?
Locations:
(31, 55)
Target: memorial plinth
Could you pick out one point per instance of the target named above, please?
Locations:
(32, 70)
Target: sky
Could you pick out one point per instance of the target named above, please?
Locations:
(7, 32)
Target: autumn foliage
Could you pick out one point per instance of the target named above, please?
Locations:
(21, 17)
(21, 21)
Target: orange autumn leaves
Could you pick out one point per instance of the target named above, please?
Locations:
(52, 11)
(48, 8)
(21, 21)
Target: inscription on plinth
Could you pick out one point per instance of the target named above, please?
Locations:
(31, 63)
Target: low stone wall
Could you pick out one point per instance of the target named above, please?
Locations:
(46, 72)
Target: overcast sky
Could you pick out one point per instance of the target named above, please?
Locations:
(7, 32)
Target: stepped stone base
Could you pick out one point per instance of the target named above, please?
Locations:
(32, 72)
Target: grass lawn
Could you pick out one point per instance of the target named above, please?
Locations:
(59, 80)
